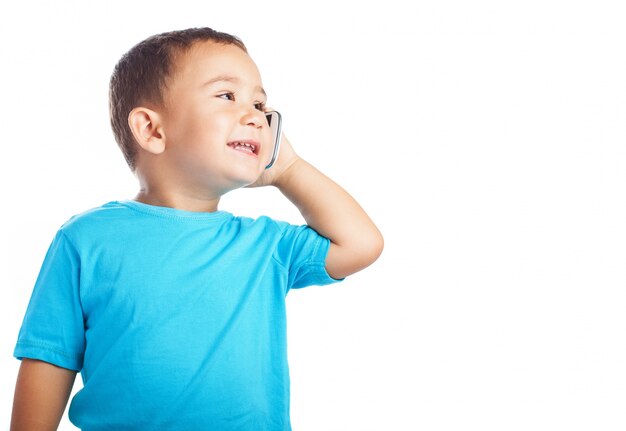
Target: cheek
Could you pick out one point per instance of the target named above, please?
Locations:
(179, 128)
(199, 129)
(213, 125)
(267, 143)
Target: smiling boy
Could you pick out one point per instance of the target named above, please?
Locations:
(172, 310)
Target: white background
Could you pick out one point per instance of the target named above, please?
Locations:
(485, 138)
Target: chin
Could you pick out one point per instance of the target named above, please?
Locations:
(241, 183)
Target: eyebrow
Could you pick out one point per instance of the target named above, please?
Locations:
(233, 79)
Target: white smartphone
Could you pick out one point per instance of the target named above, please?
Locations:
(274, 120)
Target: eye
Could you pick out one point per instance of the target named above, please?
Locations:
(227, 96)
(260, 106)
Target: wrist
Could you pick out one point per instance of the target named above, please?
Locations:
(286, 176)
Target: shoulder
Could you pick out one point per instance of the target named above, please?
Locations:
(263, 223)
(282, 234)
(95, 219)
(113, 209)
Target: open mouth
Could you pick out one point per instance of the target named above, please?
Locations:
(250, 147)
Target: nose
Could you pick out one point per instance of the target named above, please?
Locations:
(253, 117)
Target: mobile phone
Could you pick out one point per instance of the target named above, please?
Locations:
(274, 120)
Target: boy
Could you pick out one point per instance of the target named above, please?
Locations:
(174, 311)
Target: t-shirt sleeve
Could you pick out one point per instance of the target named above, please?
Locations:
(303, 252)
(53, 327)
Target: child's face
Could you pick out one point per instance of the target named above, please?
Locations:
(217, 135)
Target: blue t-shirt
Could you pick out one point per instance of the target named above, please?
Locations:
(175, 319)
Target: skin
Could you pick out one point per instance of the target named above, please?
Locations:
(185, 162)
(41, 394)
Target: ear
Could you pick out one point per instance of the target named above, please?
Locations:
(147, 129)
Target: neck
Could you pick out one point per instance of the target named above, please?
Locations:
(177, 201)
(168, 192)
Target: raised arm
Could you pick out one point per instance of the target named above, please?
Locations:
(41, 394)
(330, 210)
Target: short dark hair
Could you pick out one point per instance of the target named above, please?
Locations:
(140, 77)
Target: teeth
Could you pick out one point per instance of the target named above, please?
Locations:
(245, 145)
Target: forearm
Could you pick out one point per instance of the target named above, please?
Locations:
(334, 214)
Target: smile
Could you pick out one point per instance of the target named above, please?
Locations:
(249, 147)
